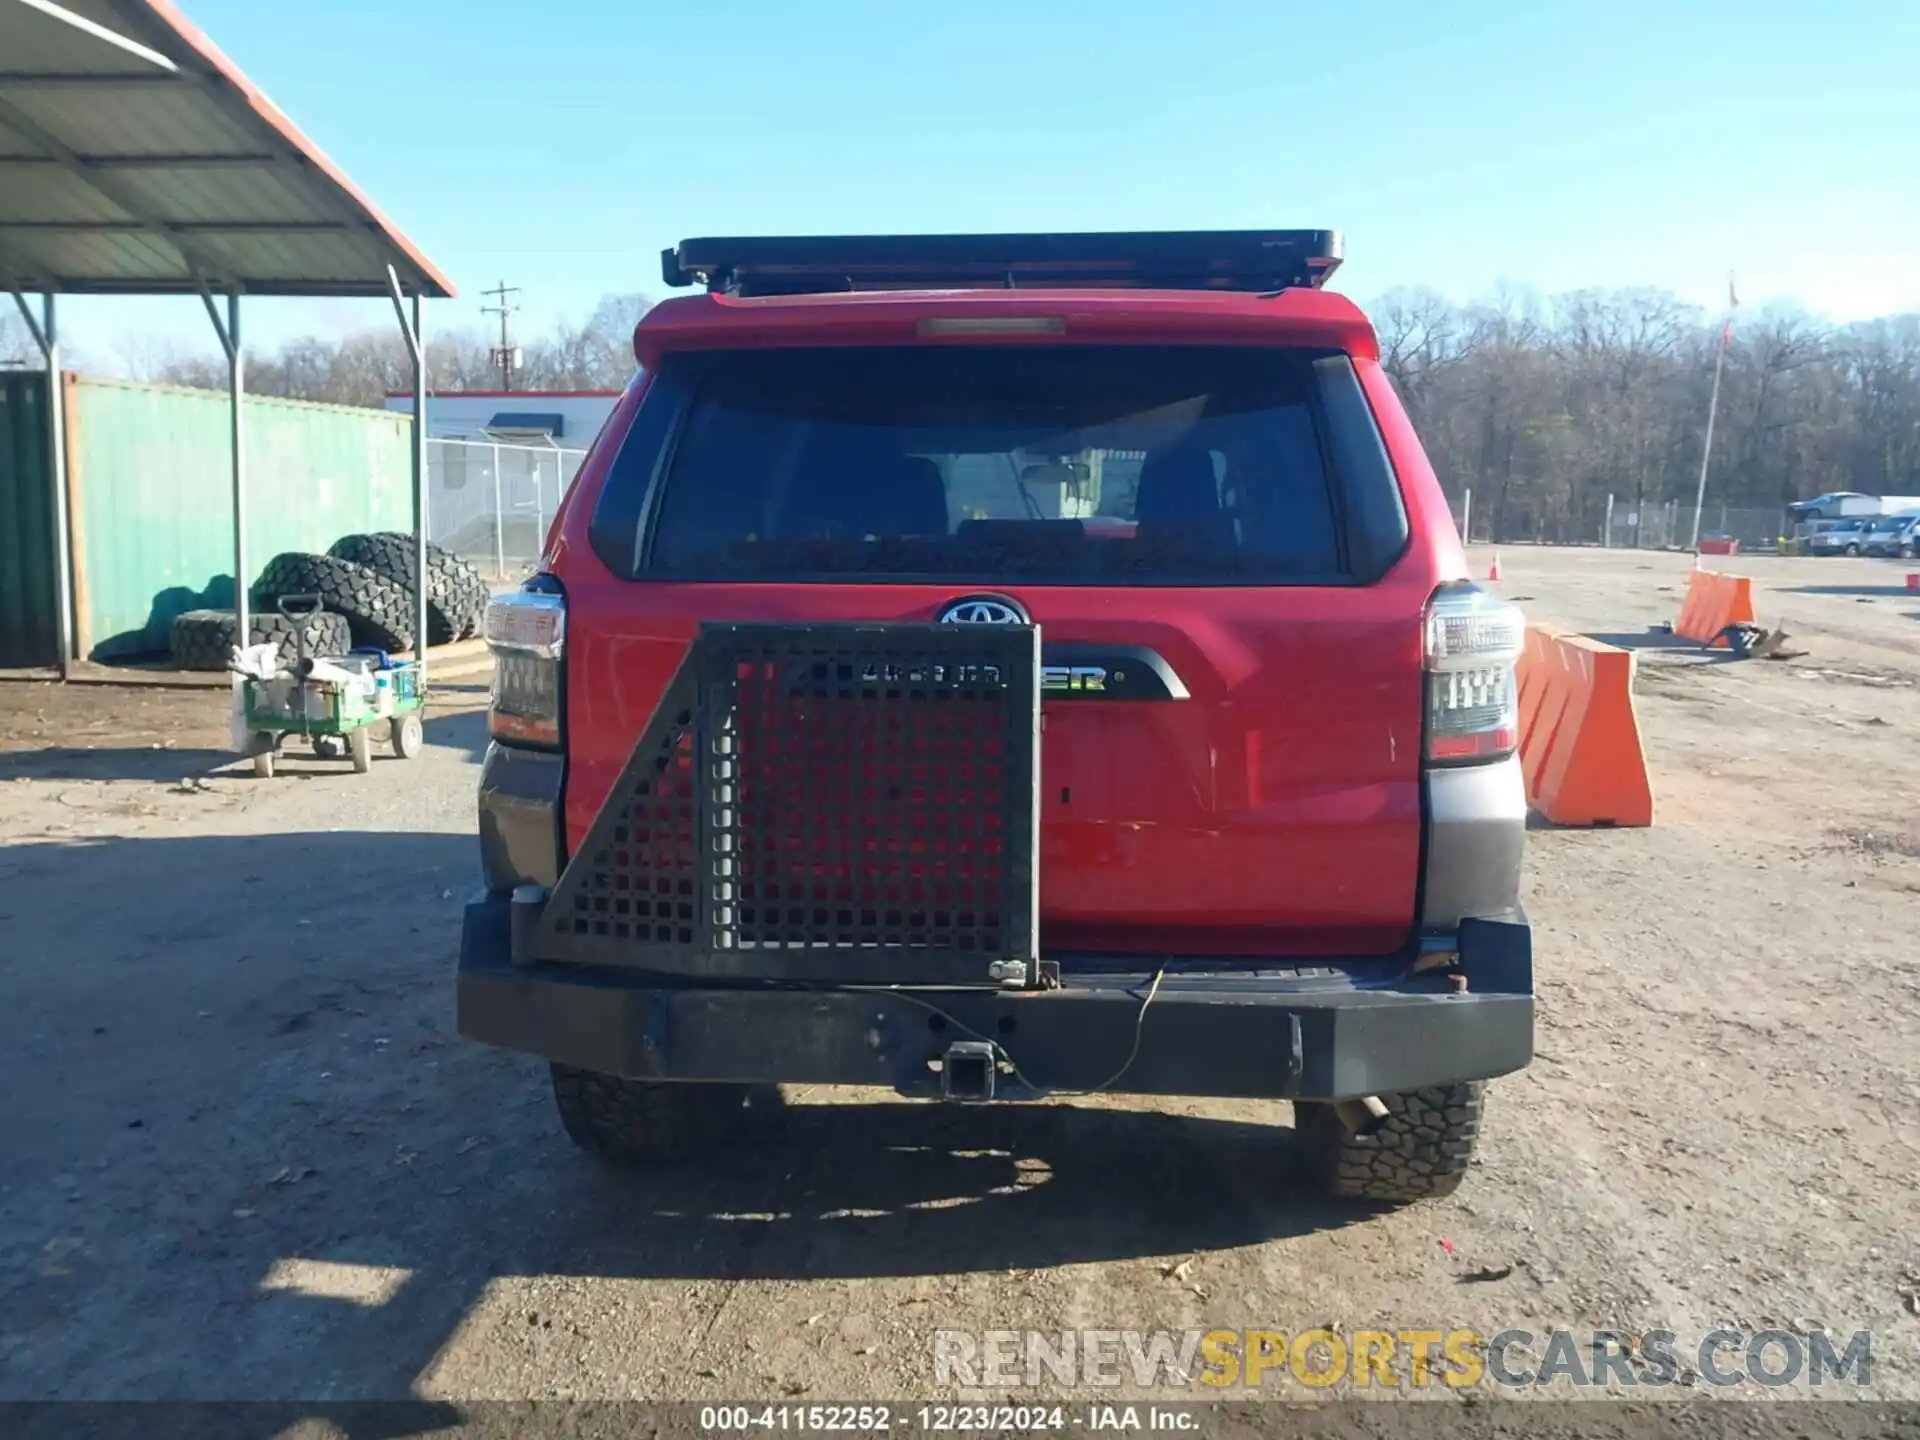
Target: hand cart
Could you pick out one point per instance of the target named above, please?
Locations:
(336, 709)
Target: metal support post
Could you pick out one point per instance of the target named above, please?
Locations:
(499, 524)
(46, 335)
(540, 509)
(1466, 517)
(229, 333)
(412, 329)
(1706, 446)
(1606, 530)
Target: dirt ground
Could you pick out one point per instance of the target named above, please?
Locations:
(243, 1154)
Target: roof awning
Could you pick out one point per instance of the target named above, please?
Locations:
(136, 158)
(516, 422)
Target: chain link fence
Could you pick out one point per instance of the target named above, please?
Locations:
(491, 504)
(1623, 525)
(1669, 526)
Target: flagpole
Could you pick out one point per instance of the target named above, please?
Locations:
(1713, 410)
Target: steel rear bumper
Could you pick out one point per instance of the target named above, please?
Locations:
(1256, 1036)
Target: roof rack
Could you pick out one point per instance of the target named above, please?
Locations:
(1249, 260)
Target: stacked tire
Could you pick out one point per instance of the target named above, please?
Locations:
(378, 611)
(204, 639)
(457, 594)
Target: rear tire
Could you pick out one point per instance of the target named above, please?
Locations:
(628, 1123)
(1419, 1152)
(360, 746)
(406, 734)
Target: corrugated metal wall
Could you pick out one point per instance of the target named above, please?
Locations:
(29, 618)
(156, 510)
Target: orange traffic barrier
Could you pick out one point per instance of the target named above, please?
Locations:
(1714, 601)
(1579, 736)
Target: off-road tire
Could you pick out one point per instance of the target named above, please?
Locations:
(203, 639)
(378, 612)
(648, 1122)
(457, 594)
(1420, 1151)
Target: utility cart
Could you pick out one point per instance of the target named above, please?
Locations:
(334, 702)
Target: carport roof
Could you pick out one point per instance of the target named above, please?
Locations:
(135, 158)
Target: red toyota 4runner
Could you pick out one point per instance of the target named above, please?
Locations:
(992, 667)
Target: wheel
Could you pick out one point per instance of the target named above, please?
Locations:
(360, 744)
(639, 1122)
(263, 765)
(201, 639)
(1853, 549)
(1907, 551)
(328, 747)
(1420, 1151)
(457, 594)
(406, 734)
(378, 612)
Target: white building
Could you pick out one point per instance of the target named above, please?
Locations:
(568, 419)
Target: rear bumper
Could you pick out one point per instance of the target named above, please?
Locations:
(1342, 1032)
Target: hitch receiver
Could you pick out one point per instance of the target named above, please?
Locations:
(967, 1072)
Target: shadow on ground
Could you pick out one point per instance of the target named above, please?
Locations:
(230, 1074)
(1664, 642)
(465, 731)
(1859, 592)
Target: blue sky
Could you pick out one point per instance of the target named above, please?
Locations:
(1459, 144)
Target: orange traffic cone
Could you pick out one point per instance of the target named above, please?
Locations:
(1493, 570)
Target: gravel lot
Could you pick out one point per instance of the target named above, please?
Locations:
(244, 1155)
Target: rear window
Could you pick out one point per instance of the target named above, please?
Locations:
(1048, 465)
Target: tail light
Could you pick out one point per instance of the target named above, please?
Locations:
(1473, 645)
(527, 632)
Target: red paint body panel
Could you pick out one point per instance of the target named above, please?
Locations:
(1311, 318)
(1277, 811)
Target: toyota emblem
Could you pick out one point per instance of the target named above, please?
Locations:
(985, 610)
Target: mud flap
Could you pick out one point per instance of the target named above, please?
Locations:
(848, 804)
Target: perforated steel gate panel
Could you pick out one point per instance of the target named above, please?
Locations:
(840, 803)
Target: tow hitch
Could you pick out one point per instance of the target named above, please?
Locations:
(966, 1074)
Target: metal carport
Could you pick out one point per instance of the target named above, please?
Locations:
(135, 158)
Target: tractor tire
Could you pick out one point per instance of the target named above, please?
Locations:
(457, 594)
(378, 612)
(203, 639)
(627, 1123)
(1419, 1152)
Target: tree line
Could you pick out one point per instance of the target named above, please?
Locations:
(1543, 407)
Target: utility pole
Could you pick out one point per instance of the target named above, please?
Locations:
(1713, 410)
(506, 355)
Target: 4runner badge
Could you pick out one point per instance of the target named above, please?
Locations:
(985, 610)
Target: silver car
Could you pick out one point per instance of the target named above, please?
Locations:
(1845, 537)
(1891, 535)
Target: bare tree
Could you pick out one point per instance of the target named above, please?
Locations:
(16, 344)
(1544, 406)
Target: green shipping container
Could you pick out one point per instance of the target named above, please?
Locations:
(154, 477)
(29, 607)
